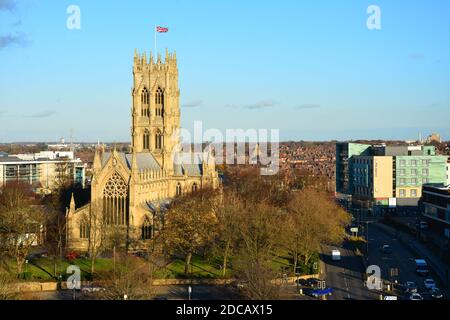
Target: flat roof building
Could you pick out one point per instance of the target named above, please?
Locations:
(387, 176)
(41, 170)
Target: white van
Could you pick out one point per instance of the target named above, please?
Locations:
(335, 255)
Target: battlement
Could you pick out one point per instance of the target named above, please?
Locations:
(141, 62)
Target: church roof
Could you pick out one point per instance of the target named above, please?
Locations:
(144, 160)
(190, 167)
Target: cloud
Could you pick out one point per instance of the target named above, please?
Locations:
(193, 104)
(10, 39)
(258, 105)
(42, 114)
(7, 5)
(308, 106)
(416, 56)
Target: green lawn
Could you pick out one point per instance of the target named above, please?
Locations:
(43, 269)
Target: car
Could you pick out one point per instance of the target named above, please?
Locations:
(422, 225)
(92, 289)
(411, 287)
(335, 255)
(302, 282)
(436, 294)
(317, 293)
(429, 284)
(386, 249)
(312, 282)
(415, 297)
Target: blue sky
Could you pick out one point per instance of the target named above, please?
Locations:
(309, 68)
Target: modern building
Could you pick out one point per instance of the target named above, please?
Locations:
(448, 171)
(387, 177)
(41, 170)
(132, 189)
(436, 209)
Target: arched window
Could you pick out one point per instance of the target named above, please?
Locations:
(178, 190)
(158, 140)
(144, 96)
(84, 231)
(146, 140)
(115, 201)
(159, 101)
(146, 230)
(194, 187)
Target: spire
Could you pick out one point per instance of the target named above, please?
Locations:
(72, 204)
(134, 166)
(167, 56)
(97, 161)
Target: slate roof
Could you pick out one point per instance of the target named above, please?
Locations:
(145, 160)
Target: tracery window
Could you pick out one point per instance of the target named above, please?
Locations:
(115, 201)
(146, 230)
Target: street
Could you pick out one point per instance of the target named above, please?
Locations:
(345, 277)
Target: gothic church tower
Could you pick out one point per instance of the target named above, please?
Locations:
(156, 107)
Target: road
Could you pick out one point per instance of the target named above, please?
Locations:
(401, 258)
(345, 277)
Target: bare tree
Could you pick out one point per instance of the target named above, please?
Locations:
(131, 278)
(259, 230)
(190, 224)
(21, 222)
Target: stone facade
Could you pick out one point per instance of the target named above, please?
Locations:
(131, 189)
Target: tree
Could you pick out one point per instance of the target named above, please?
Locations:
(21, 222)
(228, 223)
(312, 219)
(258, 229)
(190, 224)
(6, 287)
(131, 277)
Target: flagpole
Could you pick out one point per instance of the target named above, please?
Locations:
(155, 54)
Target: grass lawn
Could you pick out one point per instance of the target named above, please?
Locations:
(200, 268)
(43, 269)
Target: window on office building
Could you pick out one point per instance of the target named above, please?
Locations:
(414, 163)
(426, 163)
(425, 172)
(425, 180)
(414, 172)
(402, 163)
(402, 181)
(414, 181)
(402, 172)
(402, 193)
(414, 193)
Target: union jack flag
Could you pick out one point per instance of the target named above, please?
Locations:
(162, 29)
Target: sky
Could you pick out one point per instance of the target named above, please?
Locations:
(311, 69)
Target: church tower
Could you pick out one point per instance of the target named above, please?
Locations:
(156, 107)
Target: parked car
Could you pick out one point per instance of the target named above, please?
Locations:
(415, 297)
(410, 287)
(429, 284)
(386, 249)
(436, 294)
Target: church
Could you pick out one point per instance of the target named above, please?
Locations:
(130, 189)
